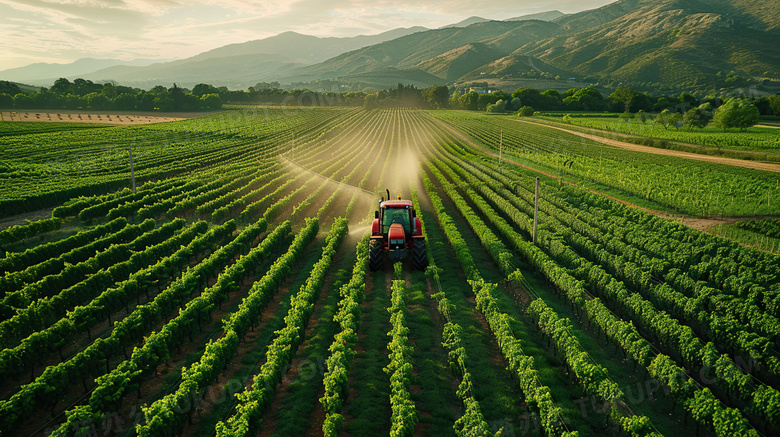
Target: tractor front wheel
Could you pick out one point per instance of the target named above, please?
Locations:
(375, 254)
(419, 254)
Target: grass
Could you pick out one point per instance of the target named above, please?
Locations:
(745, 237)
(709, 140)
(302, 395)
(370, 407)
(432, 376)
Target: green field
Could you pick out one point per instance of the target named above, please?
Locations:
(760, 142)
(230, 294)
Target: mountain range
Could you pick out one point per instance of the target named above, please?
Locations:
(668, 44)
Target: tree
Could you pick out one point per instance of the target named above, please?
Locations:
(190, 102)
(109, 90)
(202, 89)
(496, 108)
(624, 95)
(455, 100)
(774, 103)
(688, 100)
(584, 99)
(163, 103)
(23, 101)
(526, 111)
(527, 96)
(211, 101)
(667, 118)
(641, 102)
(436, 96)
(177, 95)
(371, 101)
(9, 88)
(550, 100)
(662, 103)
(736, 113)
(62, 86)
(698, 117)
(73, 101)
(83, 87)
(470, 101)
(124, 101)
(6, 100)
(763, 105)
(97, 101)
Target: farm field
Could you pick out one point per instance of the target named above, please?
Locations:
(231, 295)
(758, 143)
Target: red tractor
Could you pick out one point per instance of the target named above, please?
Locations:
(397, 231)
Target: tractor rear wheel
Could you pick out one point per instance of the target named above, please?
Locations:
(419, 254)
(375, 254)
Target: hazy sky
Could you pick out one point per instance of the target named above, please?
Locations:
(65, 30)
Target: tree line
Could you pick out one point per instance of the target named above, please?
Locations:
(685, 109)
(85, 94)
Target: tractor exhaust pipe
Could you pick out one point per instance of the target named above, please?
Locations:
(388, 193)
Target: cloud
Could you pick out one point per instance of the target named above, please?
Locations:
(68, 29)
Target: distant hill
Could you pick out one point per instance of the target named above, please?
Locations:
(41, 73)
(467, 22)
(234, 65)
(304, 48)
(542, 16)
(433, 50)
(235, 72)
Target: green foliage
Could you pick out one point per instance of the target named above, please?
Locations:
(774, 102)
(525, 111)
(730, 190)
(623, 95)
(433, 97)
(85, 94)
(668, 118)
(6, 100)
(698, 117)
(740, 113)
(768, 226)
(29, 229)
(584, 99)
(281, 350)
(755, 139)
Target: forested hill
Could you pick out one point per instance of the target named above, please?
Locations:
(652, 43)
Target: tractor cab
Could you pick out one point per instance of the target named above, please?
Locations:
(397, 231)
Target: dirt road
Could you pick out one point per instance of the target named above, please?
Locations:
(755, 165)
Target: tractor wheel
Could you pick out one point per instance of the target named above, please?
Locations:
(419, 255)
(375, 254)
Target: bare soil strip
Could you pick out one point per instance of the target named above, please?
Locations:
(97, 117)
(755, 165)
